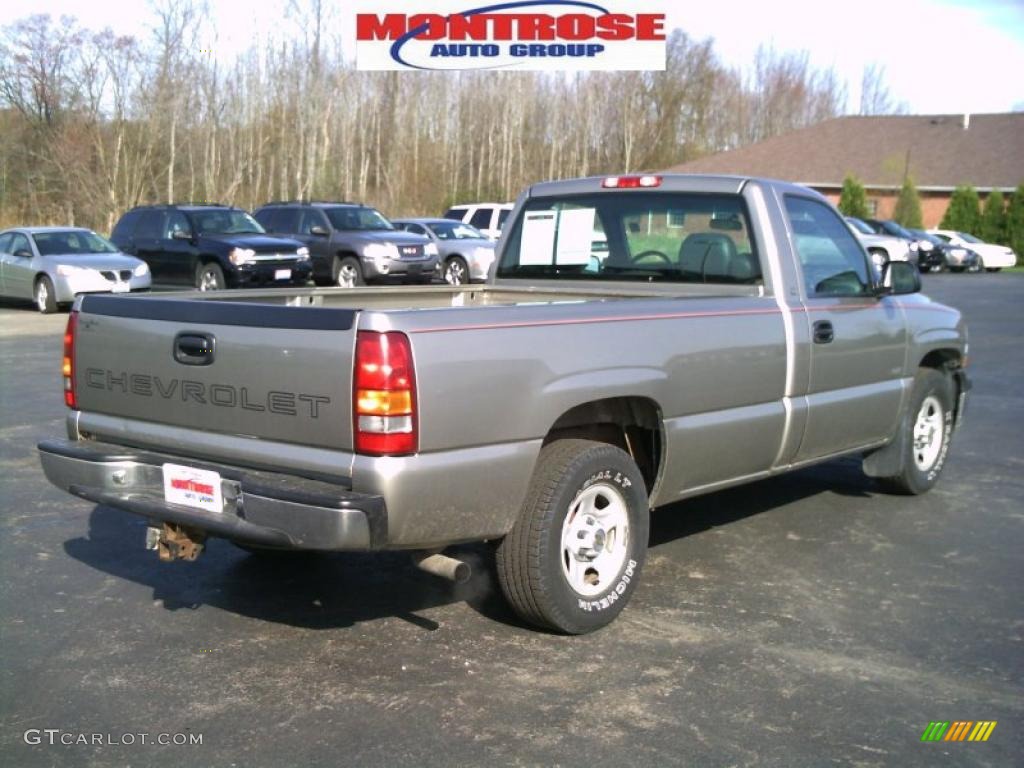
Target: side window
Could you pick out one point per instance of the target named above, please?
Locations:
(20, 243)
(123, 231)
(311, 218)
(5, 243)
(176, 222)
(149, 225)
(456, 214)
(481, 218)
(832, 260)
(502, 215)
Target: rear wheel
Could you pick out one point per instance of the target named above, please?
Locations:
(347, 272)
(574, 556)
(209, 277)
(456, 272)
(928, 428)
(46, 296)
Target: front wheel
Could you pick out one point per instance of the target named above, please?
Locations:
(573, 559)
(928, 428)
(209, 277)
(46, 296)
(347, 272)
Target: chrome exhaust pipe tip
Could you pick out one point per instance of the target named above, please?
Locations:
(449, 568)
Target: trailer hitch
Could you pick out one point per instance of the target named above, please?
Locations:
(175, 542)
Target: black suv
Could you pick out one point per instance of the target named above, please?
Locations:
(210, 247)
(352, 244)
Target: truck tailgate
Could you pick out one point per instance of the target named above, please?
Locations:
(272, 372)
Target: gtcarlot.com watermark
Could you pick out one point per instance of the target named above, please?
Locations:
(55, 737)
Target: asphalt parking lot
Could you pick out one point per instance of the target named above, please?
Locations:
(803, 621)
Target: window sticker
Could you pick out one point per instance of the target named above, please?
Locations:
(575, 235)
(538, 240)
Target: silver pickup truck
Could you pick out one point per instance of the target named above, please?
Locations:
(641, 340)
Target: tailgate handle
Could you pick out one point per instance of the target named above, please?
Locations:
(194, 348)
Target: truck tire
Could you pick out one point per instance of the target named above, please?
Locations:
(573, 559)
(46, 296)
(928, 428)
(209, 277)
(347, 272)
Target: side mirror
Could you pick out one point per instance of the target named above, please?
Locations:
(21, 253)
(900, 278)
(180, 234)
(318, 230)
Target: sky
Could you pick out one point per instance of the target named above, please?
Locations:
(940, 56)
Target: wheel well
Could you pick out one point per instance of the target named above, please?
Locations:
(630, 423)
(346, 254)
(941, 359)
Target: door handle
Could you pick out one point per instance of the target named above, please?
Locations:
(194, 348)
(823, 332)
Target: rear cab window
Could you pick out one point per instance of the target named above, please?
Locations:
(676, 237)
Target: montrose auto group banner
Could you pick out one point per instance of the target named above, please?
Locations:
(568, 35)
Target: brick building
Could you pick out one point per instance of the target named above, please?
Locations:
(938, 152)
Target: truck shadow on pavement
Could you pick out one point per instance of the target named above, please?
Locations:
(334, 590)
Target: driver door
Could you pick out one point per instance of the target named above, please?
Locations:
(858, 342)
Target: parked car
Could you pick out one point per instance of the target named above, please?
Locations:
(352, 244)
(734, 331)
(893, 248)
(465, 252)
(894, 229)
(943, 255)
(991, 256)
(53, 265)
(489, 218)
(210, 247)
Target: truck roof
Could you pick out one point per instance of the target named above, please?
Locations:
(669, 182)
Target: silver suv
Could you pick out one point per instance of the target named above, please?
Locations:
(352, 244)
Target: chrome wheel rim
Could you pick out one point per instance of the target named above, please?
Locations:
(347, 276)
(208, 280)
(595, 539)
(928, 433)
(42, 295)
(455, 273)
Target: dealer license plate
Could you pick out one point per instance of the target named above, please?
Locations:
(282, 274)
(192, 487)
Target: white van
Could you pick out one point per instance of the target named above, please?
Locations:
(489, 218)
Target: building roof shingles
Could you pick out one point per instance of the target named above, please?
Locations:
(936, 150)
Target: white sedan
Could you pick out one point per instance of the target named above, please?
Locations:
(990, 256)
(52, 265)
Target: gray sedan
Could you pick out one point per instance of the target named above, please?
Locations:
(52, 265)
(465, 253)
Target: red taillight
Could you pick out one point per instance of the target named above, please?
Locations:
(67, 367)
(384, 395)
(631, 182)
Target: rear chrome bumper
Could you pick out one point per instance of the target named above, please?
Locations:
(260, 508)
